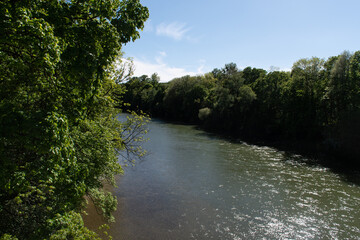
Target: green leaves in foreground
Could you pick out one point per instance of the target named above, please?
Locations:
(59, 128)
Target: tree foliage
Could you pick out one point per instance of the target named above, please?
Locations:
(59, 133)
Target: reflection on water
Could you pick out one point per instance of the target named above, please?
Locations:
(193, 186)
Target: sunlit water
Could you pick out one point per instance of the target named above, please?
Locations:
(194, 186)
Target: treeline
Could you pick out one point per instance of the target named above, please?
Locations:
(318, 101)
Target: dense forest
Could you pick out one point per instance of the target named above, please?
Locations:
(317, 103)
(59, 131)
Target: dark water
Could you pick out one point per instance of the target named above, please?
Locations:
(194, 186)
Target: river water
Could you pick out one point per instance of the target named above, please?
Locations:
(192, 185)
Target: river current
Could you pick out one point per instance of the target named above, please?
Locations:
(192, 185)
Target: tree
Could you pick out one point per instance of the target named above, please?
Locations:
(269, 107)
(185, 96)
(144, 93)
(59, 133)
(251, 74)
(301, 97)
(354, 75)
(338, 87)
(230, 69)
(231, 99)
(342, 98)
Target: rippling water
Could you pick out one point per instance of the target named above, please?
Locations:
(195, 186)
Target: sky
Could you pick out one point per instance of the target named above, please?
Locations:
(192, 37)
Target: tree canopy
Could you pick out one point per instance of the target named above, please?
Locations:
(59, 132)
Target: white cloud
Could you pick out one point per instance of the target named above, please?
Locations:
(173, 30)
(165, 72)
(281, 69)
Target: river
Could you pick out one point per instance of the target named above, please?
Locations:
(192, 185)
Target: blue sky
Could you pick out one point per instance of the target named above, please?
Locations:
(194, 37)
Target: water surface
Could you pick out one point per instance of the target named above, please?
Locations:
(195, 186)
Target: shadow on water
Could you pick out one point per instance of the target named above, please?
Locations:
(301, 152)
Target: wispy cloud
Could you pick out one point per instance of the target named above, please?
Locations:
(173, 30)
(165, 72)
(281, 69)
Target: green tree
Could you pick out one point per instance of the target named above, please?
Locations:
(144, 93)
(338, 87)
(268, 111)
(354, 76)
(251, 74)
(301, 97)
(231, 99)
(59, 133)
(185, 96)
(342, 101)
